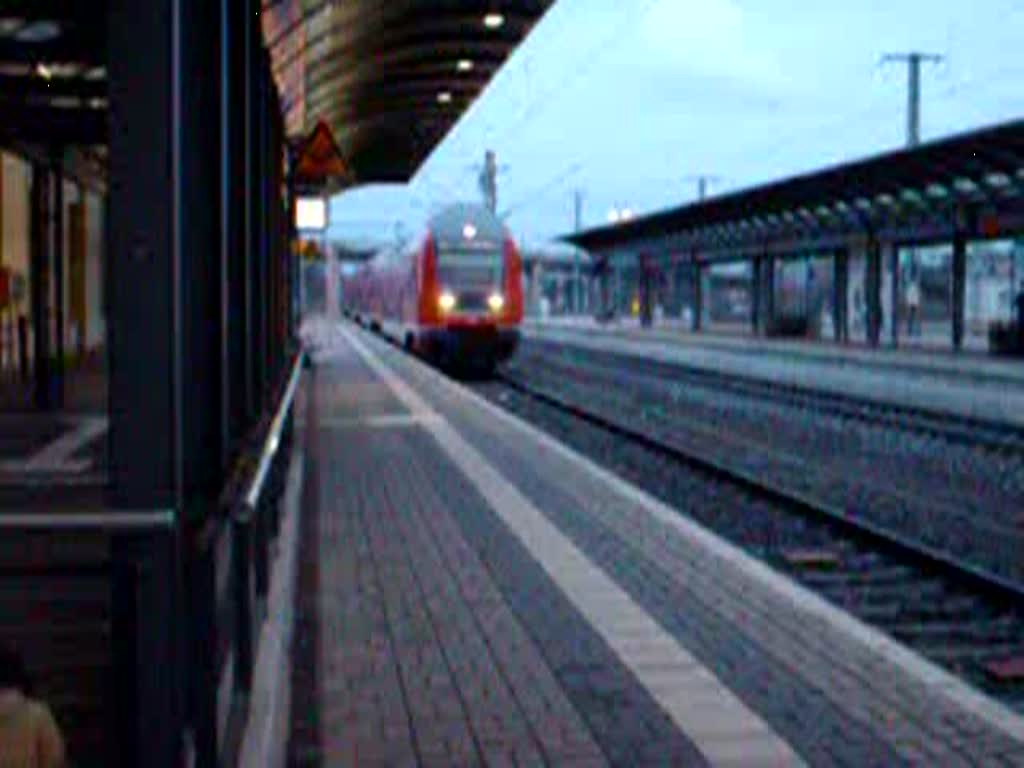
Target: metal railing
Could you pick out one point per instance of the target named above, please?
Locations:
(229, 582)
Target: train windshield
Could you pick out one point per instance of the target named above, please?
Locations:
(469, 269)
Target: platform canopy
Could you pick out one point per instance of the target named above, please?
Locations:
(52, 72)
(390, 78)
(972, 182)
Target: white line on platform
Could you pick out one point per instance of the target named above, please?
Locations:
(812, 606)
(721, 726)
(382, 421)
(56, 455)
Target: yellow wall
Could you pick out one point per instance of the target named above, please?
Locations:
(14, 246)
(14, 232)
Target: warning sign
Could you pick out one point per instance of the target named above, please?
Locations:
(319, 162)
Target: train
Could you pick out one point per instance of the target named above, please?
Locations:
(454, 297)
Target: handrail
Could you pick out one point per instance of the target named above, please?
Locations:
(243, 512)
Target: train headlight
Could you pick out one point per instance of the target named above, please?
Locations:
(446, 301)
(496, 301)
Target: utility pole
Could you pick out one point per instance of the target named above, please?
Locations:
(488, 180)
(703, 180)
(913, 60)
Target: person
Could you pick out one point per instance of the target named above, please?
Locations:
(913, 307)
(29, 736)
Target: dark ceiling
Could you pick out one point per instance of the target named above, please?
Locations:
(52, 72)
(386, 76)
(390, 77)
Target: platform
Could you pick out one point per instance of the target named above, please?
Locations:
(471, 592)
(967, 384)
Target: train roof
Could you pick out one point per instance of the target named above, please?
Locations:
(450, 224)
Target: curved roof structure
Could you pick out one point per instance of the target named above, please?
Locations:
(389, 78)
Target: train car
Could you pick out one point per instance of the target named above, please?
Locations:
(455, 297)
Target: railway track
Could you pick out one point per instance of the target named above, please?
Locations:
(996, 437)
(954, 497)
(963, 618)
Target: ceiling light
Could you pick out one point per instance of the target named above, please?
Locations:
(38, 32)
(469, 231)
(44, 71)
(494, 20)
(444, 97)
(464, 65)
(9, 25)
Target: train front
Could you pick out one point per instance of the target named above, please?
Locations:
(472, 299)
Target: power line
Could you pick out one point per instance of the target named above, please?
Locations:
(583, 68)
(535, 194)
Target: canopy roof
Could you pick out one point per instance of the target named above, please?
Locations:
(390, 78)
(909, 190)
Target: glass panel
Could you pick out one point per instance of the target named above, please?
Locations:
(728, 297)
(469, 269)
(926, 274)
(857, 306)
(885, 338)
(992, 277)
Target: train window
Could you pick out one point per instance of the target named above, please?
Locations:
(478, 268)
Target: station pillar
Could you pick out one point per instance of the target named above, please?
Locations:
(39, 284)
(57, 228)
(756, 266)
(646, 290)
(535, 274)
(698, 296)
(767, 290)
(604, 287)
(164, 253)
(840, 285)
(873, 290)
(893, 259)
(959, 268)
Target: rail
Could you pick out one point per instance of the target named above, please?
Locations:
(229, 583)
(271, 445)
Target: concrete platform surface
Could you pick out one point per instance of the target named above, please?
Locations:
(473, 592)
(967, 364)
(971, 386)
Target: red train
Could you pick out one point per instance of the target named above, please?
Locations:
(456, 297)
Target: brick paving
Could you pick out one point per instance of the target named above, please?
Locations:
(831, 697)
(429, 634)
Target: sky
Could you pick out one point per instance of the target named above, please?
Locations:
(629, 101)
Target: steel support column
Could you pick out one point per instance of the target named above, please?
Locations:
(873, 290)
(646, 290)
(39, 285)
(698, 297)
(233, 208)
(756, 266)
(893, 260)
(57, 220)
(768, 290)
(959, 267)
(840, 283)
(259, 222)
(165, 389)
(251, 59)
